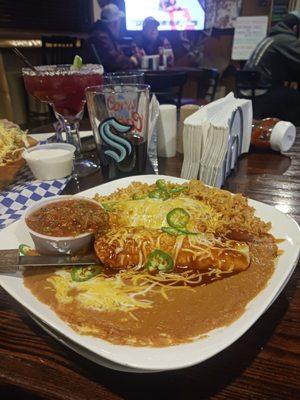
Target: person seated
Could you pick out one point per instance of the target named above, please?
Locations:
(189, 49)
(103, 43)
(277, 59)
(150, 41)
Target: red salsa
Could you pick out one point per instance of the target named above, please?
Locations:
(67, 218)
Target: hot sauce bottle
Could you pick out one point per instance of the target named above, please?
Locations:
(271, 133)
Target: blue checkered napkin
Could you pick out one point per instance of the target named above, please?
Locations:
(23, 193)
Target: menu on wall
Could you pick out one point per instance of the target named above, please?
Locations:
(248, 32)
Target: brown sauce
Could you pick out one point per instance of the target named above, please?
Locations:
(185, 315)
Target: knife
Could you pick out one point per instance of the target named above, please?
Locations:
(11, 261)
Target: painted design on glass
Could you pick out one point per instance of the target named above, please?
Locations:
(114, 140)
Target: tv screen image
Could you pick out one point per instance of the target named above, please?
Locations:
(173, 15)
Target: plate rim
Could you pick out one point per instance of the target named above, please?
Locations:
(47, 135)
(154, 367)
(83, 352)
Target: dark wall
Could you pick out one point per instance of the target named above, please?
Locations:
(46, 15)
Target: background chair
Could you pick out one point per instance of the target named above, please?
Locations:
(207, 80)
(247, 83)
(166, 85)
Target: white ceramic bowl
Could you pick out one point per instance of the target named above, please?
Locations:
(54, 167)
(46, 244)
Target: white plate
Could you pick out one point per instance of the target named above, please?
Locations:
(46, 136)
(149, 359)
(82, 351)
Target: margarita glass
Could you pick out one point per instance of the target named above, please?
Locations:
(63, 88)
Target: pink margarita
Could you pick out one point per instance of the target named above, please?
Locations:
(63, 87)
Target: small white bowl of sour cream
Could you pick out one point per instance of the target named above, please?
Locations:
(50, 161)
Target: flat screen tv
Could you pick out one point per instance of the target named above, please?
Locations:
(173, 15)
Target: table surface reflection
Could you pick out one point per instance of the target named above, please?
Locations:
(263, 364)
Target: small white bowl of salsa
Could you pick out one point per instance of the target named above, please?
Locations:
(65, 224)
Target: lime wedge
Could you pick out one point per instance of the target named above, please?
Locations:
(77, 62)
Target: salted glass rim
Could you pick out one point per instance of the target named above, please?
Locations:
(124, 73)
(111, 88)
(62, 69)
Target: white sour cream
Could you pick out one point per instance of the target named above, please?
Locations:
(46, 154)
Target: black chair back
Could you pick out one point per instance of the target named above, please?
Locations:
(166, 85)
(207, 82)
(59, 49)
(247, 83)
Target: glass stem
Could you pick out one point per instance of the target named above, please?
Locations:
(73, 137)
(59, 128)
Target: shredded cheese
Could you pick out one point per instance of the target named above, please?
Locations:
(12, 141)
(102, 293)
(125, 291)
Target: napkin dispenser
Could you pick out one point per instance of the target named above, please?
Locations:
(235, 143)
(214, 138)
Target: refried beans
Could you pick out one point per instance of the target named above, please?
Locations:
(184, 316)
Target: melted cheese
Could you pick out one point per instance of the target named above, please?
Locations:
(101, 292)
(152, 213)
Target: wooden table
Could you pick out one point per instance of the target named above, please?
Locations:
(263, 364)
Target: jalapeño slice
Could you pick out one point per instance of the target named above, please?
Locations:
(159, 261)
(178, 189)
(159, 194)
(185, 232)
(137, 196)
(82, 274)
(178, 218)
(161, 184)
(176, 232)
(170, 231)
(24, 249)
